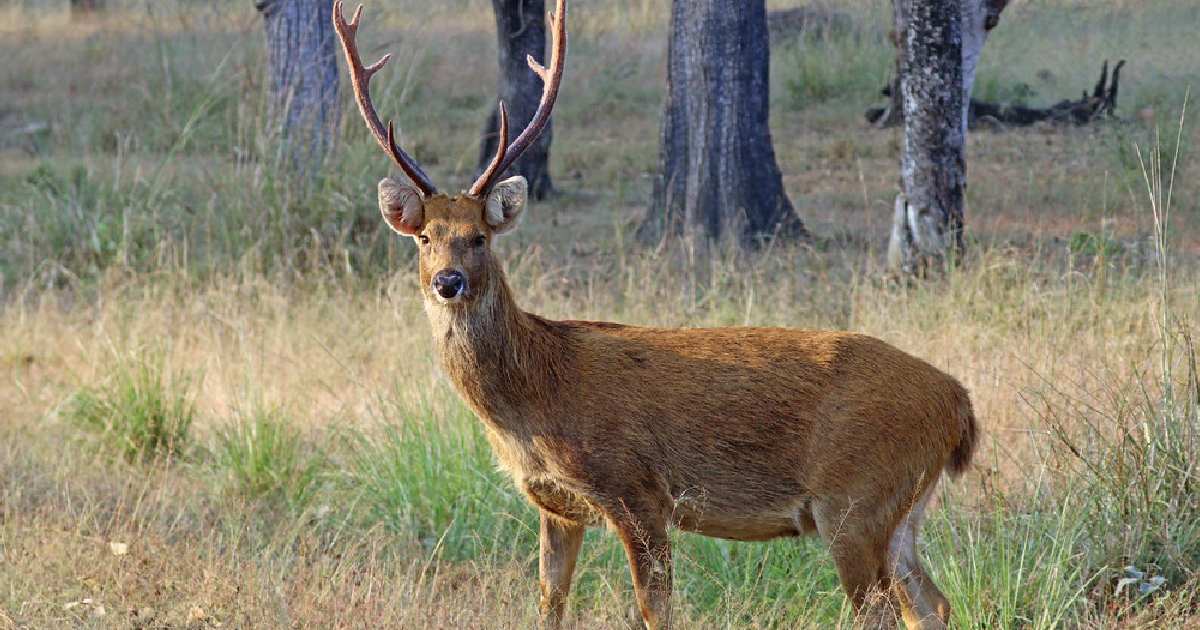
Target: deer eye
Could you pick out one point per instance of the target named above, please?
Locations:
(479, 241)
(424, 239)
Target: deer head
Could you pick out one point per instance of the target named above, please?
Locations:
(454, 233)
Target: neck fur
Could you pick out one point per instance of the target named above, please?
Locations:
(501, 359)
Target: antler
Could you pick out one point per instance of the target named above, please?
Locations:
(551, 80)
(493, 170)
(360, 77)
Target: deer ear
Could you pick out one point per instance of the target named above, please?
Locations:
(504, 204)
(402, 206)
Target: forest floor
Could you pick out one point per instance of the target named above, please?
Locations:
(219, 405)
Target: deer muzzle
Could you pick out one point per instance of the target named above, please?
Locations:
(449, 285)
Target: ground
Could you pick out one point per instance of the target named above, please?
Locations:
(219, 404)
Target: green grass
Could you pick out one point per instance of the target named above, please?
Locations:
(431, 477)
(263, 457)
(837, 68)
(1013, 568)
(142, 413)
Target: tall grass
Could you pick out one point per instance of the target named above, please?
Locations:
(1010, 567)
(1139, 463)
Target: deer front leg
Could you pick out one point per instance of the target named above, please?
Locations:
(560, 542)
(649, 550)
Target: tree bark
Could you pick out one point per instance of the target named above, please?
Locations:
(520, 31)
(979, 17)
(718, 177)
(302, 79)
(927, 223)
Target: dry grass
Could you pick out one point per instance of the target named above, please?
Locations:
(144, 222)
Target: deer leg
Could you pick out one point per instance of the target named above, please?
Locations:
(858, 542)
(649, 550)
(560, 542)
(921, 603)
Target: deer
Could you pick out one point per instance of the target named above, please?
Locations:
(746, 434)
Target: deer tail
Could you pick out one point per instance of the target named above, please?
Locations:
(968, 432)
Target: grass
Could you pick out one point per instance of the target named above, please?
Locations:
(140, 412)
(264, 457)
(147, 241)
(832, 67)
(430, 477)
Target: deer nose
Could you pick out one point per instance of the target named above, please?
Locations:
(448, 283)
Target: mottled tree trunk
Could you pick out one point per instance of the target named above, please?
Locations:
(978, 18)
(927, 224)
(520, 31)
(302, 79)
(718, 177)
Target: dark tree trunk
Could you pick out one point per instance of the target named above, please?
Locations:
(520, 31)
(927, 225)
(302, 79)
(85, 8)
(717, 171)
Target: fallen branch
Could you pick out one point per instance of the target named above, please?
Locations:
(1100, 105)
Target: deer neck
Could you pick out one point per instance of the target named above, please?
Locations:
(502, 360)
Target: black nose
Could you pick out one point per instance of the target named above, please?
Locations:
(448, 283)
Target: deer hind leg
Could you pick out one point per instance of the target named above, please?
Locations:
(922, 605)
(560, 542)
(858, 538)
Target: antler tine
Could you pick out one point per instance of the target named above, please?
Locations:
(551, 79)
(353, 24)
(481, 185)
(360, 78)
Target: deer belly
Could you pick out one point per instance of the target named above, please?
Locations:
(745, 524)
(561, 502)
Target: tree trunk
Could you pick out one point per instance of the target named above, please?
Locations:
(302, 79)
(717, 171)
(520, 31)
(928, 217)
(85, 8)
(978, 18)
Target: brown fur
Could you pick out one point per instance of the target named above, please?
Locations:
(738, 433)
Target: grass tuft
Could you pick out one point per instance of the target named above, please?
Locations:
(142, 412)
(430, 475)
(263, 457)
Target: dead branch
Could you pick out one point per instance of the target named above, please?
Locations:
(1101, 104)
